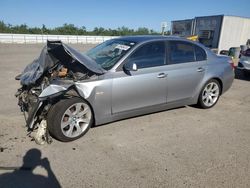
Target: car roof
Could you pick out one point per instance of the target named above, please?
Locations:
(144, 38)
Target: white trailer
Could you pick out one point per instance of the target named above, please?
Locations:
(235, 31)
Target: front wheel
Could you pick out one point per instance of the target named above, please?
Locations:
(210, 94)
(69, 119)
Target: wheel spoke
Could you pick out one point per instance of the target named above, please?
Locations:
(83, 112)
(78, 128)
(209, 87)
(210, 100)
(64, 124)
(68, 112)
(204, 97)
(213, 95)
(70, 131)
(78, 108)
(215, 88)
(84, 120)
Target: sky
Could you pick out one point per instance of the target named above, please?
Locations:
(114, 13)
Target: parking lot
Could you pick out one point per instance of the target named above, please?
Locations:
(184, 147)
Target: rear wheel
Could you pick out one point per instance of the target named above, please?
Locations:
(210, 94)
(69, 119)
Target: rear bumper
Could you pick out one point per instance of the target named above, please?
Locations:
(228, 81)
(243, 68)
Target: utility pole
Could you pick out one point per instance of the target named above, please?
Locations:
(163, 27)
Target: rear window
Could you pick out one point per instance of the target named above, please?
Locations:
(181, 52)
(184, 52)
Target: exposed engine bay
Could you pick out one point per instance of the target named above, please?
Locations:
(58, 66)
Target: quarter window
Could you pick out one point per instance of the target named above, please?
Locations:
(200, 54)
(149, 55)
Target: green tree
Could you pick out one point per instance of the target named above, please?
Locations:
(71, 29)
(142, 31)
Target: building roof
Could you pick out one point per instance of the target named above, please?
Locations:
(209, 16)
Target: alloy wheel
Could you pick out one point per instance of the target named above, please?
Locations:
(210, 94)
(76, 120)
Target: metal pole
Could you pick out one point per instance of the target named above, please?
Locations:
(163, 26)
(163, 30)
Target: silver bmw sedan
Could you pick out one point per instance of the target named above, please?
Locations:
(64, 92)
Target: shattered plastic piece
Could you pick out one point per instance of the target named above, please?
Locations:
(40, 135)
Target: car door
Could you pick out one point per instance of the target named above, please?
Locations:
(144, 87)
(186, 68)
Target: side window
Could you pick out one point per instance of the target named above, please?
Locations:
(181, 52)
(149, 55)
(200, 54)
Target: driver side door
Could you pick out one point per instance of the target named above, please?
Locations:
(144, 87)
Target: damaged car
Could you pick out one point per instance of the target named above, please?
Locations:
(65, 92)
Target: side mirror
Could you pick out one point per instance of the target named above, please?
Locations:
(134, 67)
(130, 67)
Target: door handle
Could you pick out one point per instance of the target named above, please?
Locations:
(162, 75)
(200, 69)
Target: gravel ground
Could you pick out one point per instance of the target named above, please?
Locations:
(184, 147)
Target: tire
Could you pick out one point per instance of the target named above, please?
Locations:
(246, 73)
(209, 94)
(69, 119)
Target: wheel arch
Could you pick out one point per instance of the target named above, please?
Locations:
(202, 84)
(199, 102)
(220, 82)
(73, 92)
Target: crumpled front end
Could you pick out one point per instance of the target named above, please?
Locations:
(51, 77)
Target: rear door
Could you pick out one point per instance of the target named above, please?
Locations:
(186, 69)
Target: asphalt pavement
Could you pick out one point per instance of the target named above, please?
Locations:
(183, 147)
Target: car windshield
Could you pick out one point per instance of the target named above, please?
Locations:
(110, 52)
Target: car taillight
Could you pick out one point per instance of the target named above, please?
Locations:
(231, 63)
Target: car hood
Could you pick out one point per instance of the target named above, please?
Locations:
(54, 53)
(82, 58)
